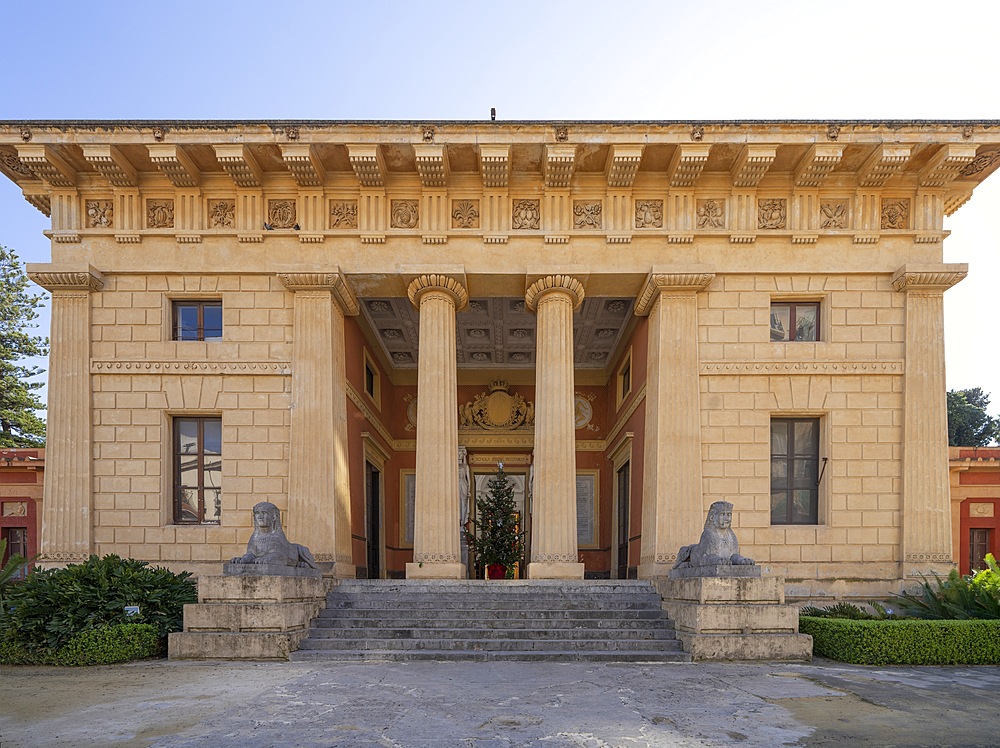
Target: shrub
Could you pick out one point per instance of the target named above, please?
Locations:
(976, 596)
(906, 642)
(52, 606)
(119, 642)
(849, 611)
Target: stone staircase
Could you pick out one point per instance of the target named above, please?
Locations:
(606, 621)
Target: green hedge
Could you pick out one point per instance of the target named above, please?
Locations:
(101, 646)
(905, 642)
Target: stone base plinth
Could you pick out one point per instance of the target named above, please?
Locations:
(555, 570)
(428, 570)
(269, 570)
(248, 616)
(728, 571)
(734, 618)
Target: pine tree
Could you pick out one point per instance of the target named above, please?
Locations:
(495, 538)
(20, 426)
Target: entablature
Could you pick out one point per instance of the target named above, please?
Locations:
(556, 180)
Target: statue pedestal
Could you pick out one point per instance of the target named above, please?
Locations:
(249, 616)
(733, 614)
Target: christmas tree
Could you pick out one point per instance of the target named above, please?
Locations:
(495, 538)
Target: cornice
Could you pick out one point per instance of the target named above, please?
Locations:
(660, 280)
(932, 278)
(66, 277)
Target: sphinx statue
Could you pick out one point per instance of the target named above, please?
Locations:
(718, 545)
(268, 544)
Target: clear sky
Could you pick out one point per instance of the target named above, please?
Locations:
(584, 59)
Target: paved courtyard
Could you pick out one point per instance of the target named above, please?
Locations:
(487, 705)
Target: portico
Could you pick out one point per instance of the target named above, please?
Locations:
(638, 319)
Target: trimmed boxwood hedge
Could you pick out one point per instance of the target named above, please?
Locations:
(120, 642)
(905, 642)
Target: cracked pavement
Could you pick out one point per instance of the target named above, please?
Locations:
(496, 705)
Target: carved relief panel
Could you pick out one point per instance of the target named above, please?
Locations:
(526, 215)
(465, 214)
(772, 213)
(221, 214)
(649, 214)
(711, 214)
(404, 214)
(497, 409)
(159, 214)
(833, 214)
(896, 213)
(281, 214)
(587, 214)
(100, 214)
(343, 214)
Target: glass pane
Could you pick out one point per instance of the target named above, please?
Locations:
(804, 472)
(187, 321)
(213, 474)
(779, 473)
(213, 505)
(779, 507)
(212, 320)
(805, 437)
(802, 506)
(805, 321)
(187, 435)
(779, 437)
(780, 321)
(188, 474)
(213, 436)
(188, 505)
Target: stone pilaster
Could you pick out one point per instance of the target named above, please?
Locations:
(319, 491)
(926, 512)
(553, 514)
(67, 508)
(672, 512)
(436, 547)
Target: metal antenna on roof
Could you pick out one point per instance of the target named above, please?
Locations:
(493, 113)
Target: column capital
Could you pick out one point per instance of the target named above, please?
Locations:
(437, 282)
(691, 279)
(334, 282)
(68, 277)
(564, 283)
(918, 277)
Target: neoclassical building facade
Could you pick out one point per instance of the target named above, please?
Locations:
(358, 321)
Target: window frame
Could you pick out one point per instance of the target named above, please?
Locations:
(177, 457)
(792, 303)
(200, 305)
(624, 380)
(792, 456)
(375, 393)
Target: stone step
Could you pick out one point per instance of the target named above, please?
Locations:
(377, 655)
(431, 603)
(498, 644)
(578, 634)
(400, 619)
(528, 586)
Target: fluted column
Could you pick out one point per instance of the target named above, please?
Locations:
(67, 506)
(319, 490)
(672, 511)
(436, 517)
(553, 514)
(926, 504)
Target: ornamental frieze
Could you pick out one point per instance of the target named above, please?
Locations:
(833, 215)
(465, 214)
(343, 214)
(649, 214)
(772, 213)
(282, 368)
(526, 215)
(221, 214)
(100, 214)
(895, 214)
(497, 410)
(404, 214)
(281, 214)
(804, 367)
(711, 214)
(587, 214)
(159, 214)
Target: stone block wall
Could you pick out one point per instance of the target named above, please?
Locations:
(851, 380)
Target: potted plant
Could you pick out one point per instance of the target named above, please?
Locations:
(495, 539)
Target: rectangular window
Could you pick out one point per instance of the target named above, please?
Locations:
(197, 320)
(794, 321)
(623, 379)
(794, 471)
(197, 470)
(372, 385)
